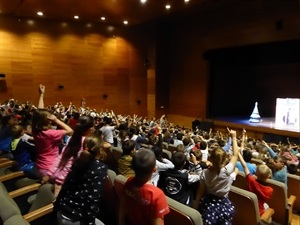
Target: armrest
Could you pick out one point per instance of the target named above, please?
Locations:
(24, 190)
(291, 200)
(38, 212)
(267, 215)
(11, 175)
(7, 163)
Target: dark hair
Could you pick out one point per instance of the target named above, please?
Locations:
(85, 122)
(16, 131)
(203, 145)
(143, 163)
(158, 152)
(247, 155)
(5, 120)
(128, 147)
(93, 146)
(178, 159)
(292, 168)
(40, 120)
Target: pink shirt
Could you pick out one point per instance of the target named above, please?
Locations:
(46, 143)
(58, 175)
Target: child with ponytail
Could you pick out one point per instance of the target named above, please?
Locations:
(215, 183)
(79, 200)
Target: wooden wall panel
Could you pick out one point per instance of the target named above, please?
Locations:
(87, 62)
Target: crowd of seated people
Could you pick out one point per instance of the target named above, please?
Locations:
(199, 172)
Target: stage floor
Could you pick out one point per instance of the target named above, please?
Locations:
(266, 125)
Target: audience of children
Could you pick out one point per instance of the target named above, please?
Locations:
(211, 161)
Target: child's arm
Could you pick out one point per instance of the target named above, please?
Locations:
(67, 130)
(246, 170)
(200, 192)
(41, 97)
(235, 147)
(270, 150)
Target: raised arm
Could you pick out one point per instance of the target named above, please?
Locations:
(246, 170)
(235, 147)
(41, 97)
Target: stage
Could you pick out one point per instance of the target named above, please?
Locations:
(264, 129)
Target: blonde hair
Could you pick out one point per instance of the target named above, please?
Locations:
(263, 172)
(218, 157)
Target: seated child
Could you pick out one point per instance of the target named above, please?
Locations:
(125, 161)
(22, 152)
(258, 186)
(176, 182)
(141, 196)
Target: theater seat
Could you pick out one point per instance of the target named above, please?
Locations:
(246, 208)
(293, 183)
(179, 213)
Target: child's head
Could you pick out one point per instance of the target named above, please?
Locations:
(203, 145)
(218, 158)
(17, 131)
(93, 149)
(143, 163)
(158, 152)
(247, 155)
(198, 154)
(40, 120)
(263, 172)
(279, 162)
(292, 168)
(128, 147)
(178, 159)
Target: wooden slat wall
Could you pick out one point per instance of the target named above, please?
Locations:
(88, 62)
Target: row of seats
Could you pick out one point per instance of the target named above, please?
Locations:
(280, 202)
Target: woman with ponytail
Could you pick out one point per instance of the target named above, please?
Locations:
(79, 200)
(70, 152)
(215, 183)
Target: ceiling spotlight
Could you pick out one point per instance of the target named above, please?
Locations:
(40, 13)
(168, 6)
(102, 18)
(125, 22)
(143, 1)
(76, 17)
(186, 0)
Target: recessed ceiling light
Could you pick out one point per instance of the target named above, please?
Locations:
(186, 0)
(125, 22)
(168, 6)
(76, 17)
(102, 18)
(143, 1)
(40, 13)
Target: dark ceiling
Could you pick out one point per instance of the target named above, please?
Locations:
(116, 11)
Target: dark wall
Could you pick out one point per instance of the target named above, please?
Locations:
(256, 73)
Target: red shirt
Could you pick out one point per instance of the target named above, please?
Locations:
(263, 192)
(144, 203)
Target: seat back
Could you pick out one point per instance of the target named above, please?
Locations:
(278, 202)
(179, 213)
(293, 183)
(167, 154)
(172, 148)
(109, 199)
(240, 181)
(116, 153)
(245, 205)
(182, 214)
(8, 207)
